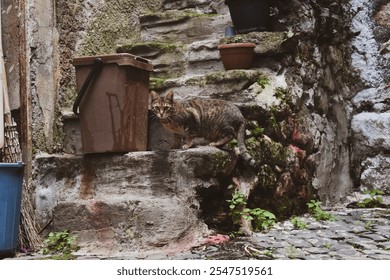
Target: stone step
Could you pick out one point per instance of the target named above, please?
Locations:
(168, 58)
(232, 85)
(204, 6)
(175, 59)
(133, 201)
(185, 26)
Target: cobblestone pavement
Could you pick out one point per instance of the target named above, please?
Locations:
(355, 234)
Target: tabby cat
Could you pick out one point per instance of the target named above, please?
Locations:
(216, 121)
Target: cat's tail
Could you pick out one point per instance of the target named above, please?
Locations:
(242, 148)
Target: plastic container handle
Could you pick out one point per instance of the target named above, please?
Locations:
(96, 67)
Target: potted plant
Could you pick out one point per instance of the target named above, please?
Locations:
(235, 53)
(249, 15)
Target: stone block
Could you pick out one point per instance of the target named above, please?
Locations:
(372, 130)
(376, 173)
(127, 202)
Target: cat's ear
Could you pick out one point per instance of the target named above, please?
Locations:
(169, 96)
(154, 96)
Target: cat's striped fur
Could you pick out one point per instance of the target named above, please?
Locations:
(217, 121)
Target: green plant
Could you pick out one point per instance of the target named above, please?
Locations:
(375, 199)
(59, 243)
(283, 95)
(317, 212)
(369, 225)
(298, 223)
(292, 252)
(237, 206)
(268, 253)
(263, 81)
(233, 143)
(257, 131)
(235, 39)
(327, 246)
(260, 218)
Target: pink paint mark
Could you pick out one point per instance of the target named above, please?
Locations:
(301, 154)
(94, 207)
(215, 239)
(296, 135)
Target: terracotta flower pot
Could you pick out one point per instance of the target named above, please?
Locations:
(237, 55)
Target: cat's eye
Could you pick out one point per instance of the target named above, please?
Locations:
(156, 108)
(167, 107)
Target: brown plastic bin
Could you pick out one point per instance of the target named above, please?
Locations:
(113, 108)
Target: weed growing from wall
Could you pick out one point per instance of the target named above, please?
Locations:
(374, 200)
(59, 243)
(261, 219)
(318, 213)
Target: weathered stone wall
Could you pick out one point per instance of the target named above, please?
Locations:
(318, 72)
(340, 71)
(370, 124)
(327, 128)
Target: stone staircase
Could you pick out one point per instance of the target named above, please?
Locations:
(126, 204)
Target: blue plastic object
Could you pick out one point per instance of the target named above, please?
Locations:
(11, 182)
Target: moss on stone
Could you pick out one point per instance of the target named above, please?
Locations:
(267, 177)
(161, 47)
(156, 83)
(173, 16)
(224, 76)
(268, 151)
(215, 165)
(116, 20)
(221, 161)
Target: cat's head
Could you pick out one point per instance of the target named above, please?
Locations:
(162, 107)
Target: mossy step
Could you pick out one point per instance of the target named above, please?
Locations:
(184, 26)
(168, 58)
(206, 6)
(203, 81)
(175, 58)
(252, 90)
(169, 17)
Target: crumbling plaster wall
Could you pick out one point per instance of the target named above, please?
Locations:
(11, 48)
(44, 65)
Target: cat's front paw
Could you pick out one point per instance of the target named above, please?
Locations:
(186, 147)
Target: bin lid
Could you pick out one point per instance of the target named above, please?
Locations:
(122, 59)
(12, 165)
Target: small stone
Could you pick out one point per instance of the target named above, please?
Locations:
(299, 243)
(317, 250)
(349, 252)
(376, 237)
